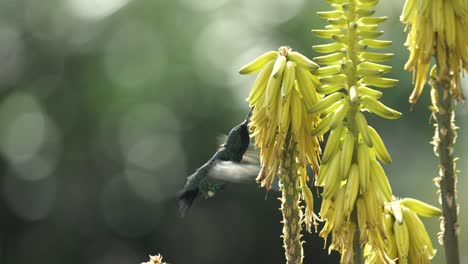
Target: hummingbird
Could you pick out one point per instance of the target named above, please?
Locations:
(230, 163)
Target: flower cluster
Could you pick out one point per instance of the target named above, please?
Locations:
(293, 108)
(356, 192)
(355, 187)
(280, 96)
(407, 239)
(157, 259)
(436, 27)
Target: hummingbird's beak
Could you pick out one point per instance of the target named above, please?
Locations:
(249, 114)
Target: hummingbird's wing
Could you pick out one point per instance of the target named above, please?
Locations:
(221, 139)
(244, 171)
(234, 172)
(252, 155)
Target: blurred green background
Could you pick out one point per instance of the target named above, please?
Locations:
(106, 106)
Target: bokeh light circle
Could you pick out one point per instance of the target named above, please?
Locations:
(134, 55)
(124, 213)
(150, 142)
(29, 139)
(11, 55)
(30, 200)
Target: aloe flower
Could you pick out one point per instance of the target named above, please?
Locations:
(407, 239)
(356, 191)
(281, 95)
(355, 187)
(438, 28)
(441, 24)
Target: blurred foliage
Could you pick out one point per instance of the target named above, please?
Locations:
(106, 106)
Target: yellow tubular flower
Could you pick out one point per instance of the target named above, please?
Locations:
(355, 186)
(407, 237)
(283, 91)
(440, 24)
(280, 96)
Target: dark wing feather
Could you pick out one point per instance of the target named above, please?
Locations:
(234, 172)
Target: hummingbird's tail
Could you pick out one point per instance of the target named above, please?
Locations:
(186, 198)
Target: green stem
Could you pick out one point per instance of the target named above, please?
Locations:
(290, 208)
(351, 72)
(444, 140)
(358, 252)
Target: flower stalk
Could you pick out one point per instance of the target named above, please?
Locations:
(443, 141)
(358, 250)
(357, 194)
(438, 29)
(290, 207)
